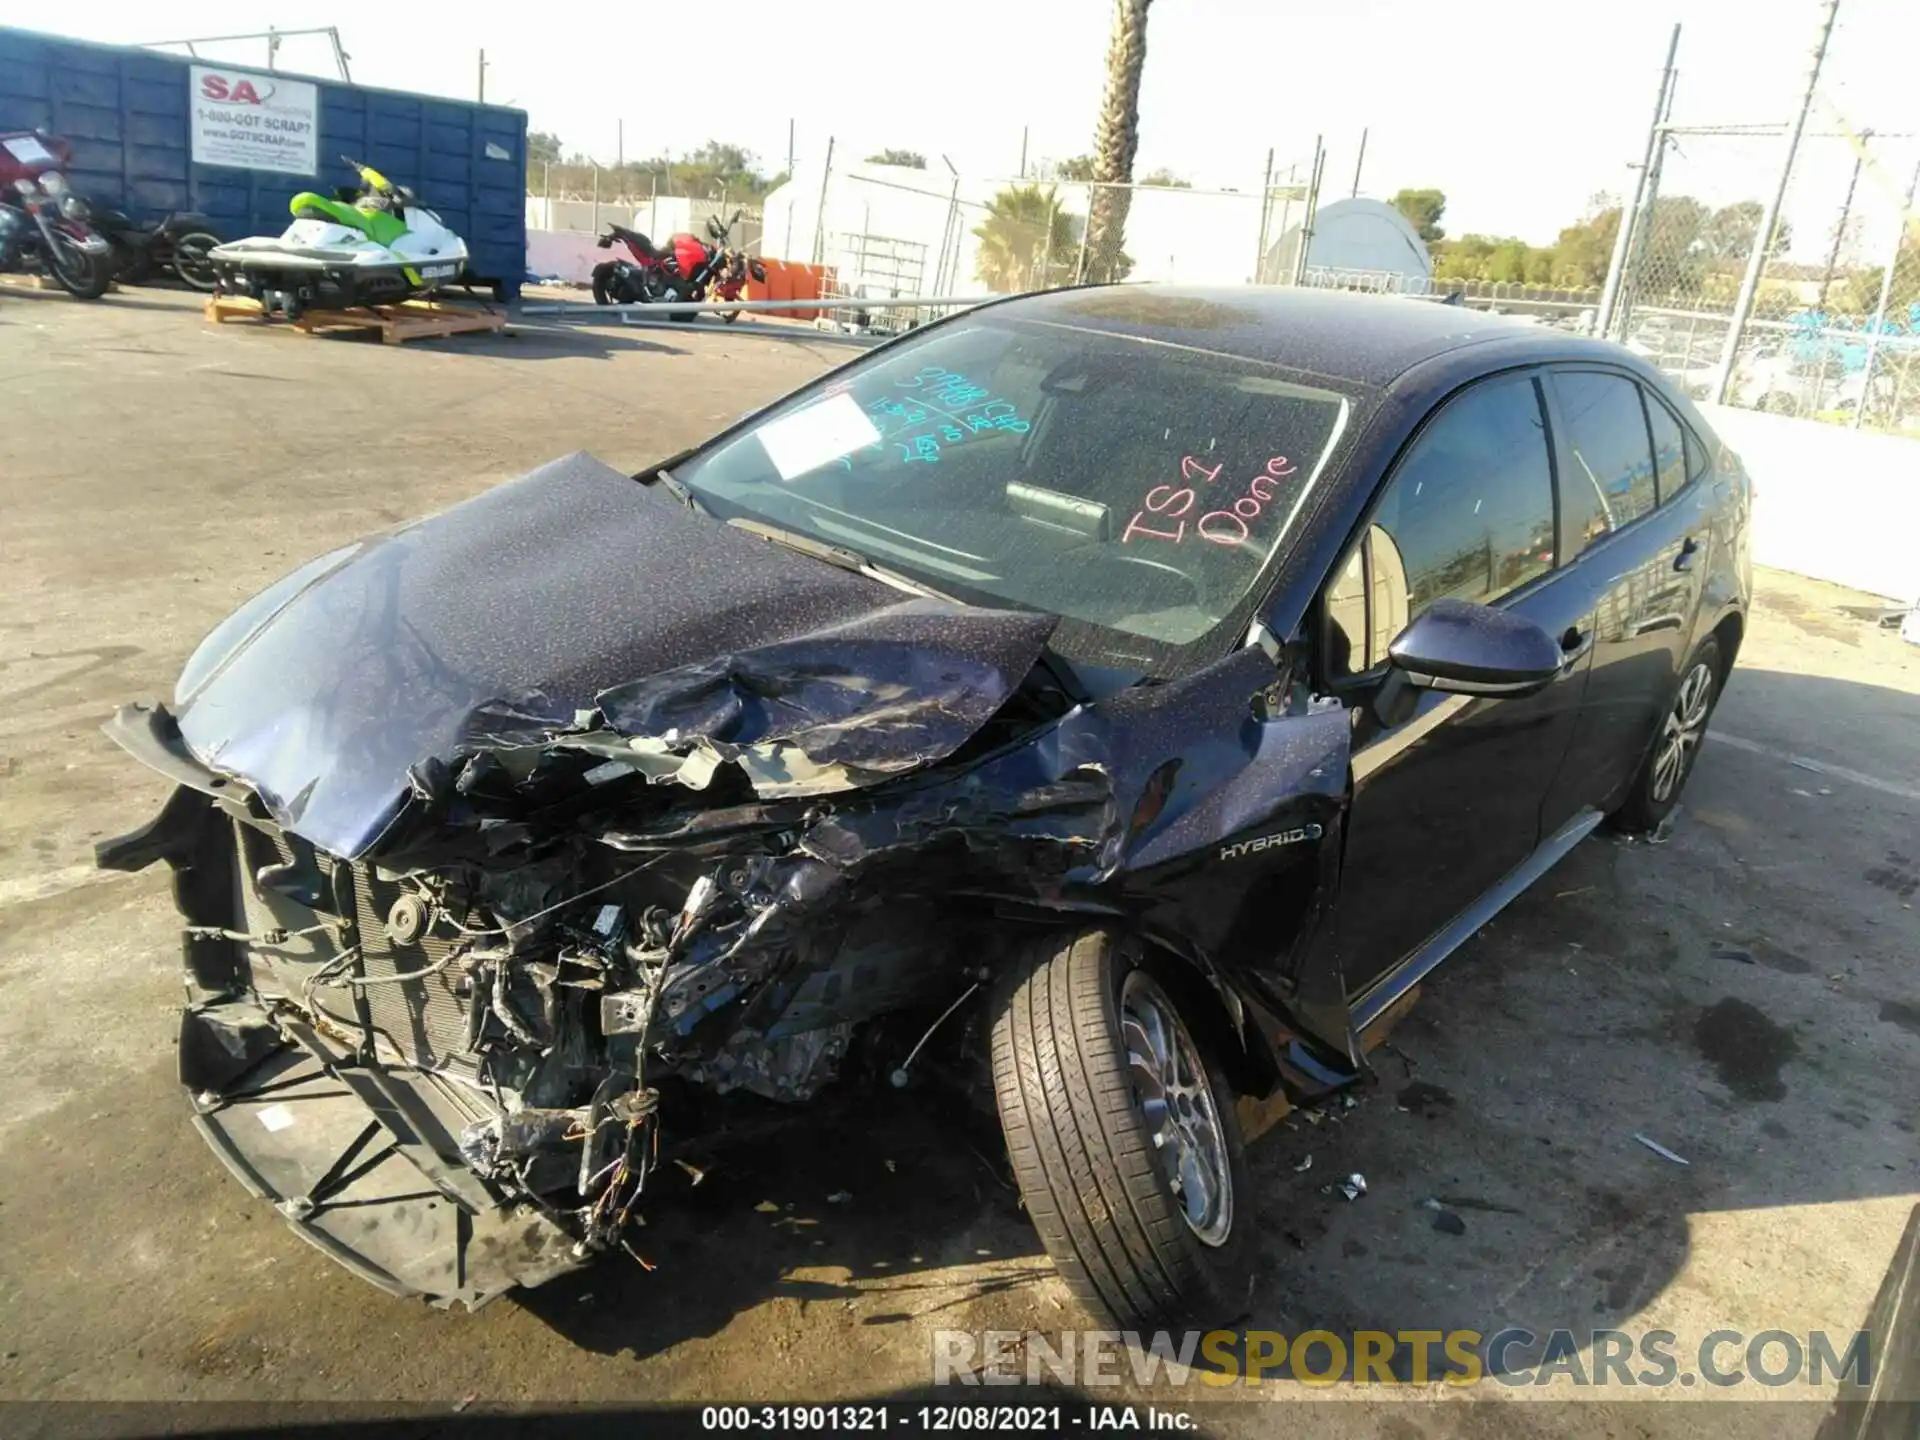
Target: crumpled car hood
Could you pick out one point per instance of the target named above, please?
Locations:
(575, 600)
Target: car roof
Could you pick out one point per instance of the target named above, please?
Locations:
(1367, 340)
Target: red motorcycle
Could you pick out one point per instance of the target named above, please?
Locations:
(688, 269)
(43, 224)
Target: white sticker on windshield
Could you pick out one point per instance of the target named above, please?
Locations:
(28, 150)
(817, 435)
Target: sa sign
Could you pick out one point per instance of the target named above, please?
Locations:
(242, 91)
(248, 121)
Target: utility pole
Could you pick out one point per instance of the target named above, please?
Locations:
(483, 77)
(1309, 214)
(1023, 152)
(1640, 227)
(1846, 214)
(1630, 211)
(1770, 218)
(820, 215)
(1266, 214)
(1901, 223)
(1359, 160)
(789, 151)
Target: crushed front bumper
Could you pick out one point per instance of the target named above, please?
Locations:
(355, 1146)
(358, 1159)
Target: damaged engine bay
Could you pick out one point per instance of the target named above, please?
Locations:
(471, 950)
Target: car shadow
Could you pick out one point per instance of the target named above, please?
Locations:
(901, 1206)
(528, 340)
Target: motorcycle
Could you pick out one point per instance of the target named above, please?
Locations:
(179, 243)
(688, 270)
(374, 244)
(640, 280)
(730, 268)
(43, 224)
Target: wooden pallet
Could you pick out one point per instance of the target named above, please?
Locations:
(409, 320)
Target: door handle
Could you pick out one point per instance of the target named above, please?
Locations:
(1689, 547)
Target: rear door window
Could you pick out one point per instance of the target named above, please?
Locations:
(1669, 449)
(1468, 513)
(1610, 482)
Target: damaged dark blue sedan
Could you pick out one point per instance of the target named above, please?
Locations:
(1124, 695)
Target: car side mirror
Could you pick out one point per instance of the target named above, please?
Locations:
(1466, 649)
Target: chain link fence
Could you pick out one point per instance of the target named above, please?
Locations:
(1834, 329)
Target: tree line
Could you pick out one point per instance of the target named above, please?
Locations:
(1691, 251)
(1687, 243)
(713, 169)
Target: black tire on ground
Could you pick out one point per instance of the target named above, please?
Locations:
(81, 275)
(190, 260)
(1656, 789)
(1082, 1147)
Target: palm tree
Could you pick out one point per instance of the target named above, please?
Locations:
(1026, 241)
(1117, 141)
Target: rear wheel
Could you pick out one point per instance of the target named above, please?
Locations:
(192, 259)
(1683, 728)
(1123, 1137)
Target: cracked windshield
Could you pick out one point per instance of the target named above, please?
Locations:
(1138, 487)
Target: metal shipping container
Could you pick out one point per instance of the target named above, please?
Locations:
(128, 114)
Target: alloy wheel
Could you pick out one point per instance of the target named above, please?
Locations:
(1682, 731)
(1175, 1098)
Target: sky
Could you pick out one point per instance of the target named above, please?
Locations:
(1519, 113)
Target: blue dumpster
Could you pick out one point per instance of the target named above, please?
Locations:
(135, 117)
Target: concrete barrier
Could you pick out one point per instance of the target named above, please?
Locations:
(567, 254)
(1832, 503)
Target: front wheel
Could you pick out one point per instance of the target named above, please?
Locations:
(82, 274)
(192, 259)
(1123, 1137)
(1683, 728)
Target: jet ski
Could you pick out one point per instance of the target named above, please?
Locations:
(374, 244)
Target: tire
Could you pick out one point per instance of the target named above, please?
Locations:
(729, 316)
(190, 260)
(1075, 1108)
(1683, 724)
(601, 295)
(83, 276)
